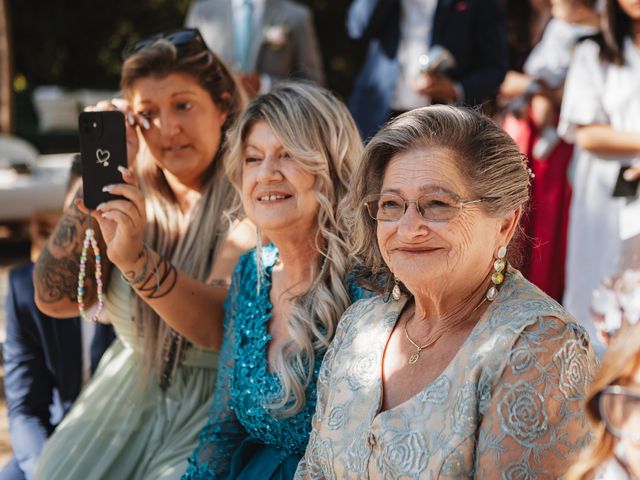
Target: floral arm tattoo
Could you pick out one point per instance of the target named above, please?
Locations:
(56, 270)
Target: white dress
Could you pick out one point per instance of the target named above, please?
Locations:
(597, 93)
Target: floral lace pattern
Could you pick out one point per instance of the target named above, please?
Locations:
(508, 406)
(245, 384)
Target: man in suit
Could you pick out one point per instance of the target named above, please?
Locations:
(401, 32)
(263, 40)
(43, 370)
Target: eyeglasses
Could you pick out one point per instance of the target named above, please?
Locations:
(436, 207)
(186, 37)
(619, 409)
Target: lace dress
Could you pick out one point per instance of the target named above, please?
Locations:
(508, 406)
(242, 440)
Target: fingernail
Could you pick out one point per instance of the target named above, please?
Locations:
(100, 207)
(106, 188)
(124, 170)
(146, 124)
(628, 175)
(131, 119)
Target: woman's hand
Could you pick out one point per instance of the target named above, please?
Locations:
(131, 120)
(122, 222)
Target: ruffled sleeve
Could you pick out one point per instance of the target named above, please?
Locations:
(223, 433)
(533, 422)
(583, 92)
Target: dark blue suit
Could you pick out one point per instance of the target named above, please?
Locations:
(474, 31)
(43, 371)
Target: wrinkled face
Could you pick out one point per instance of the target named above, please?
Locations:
(427, 255)
(185, 125)
(631, 8)
(277, 193)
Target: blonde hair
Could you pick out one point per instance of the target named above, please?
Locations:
(484, 153)
(619, 365)
(317, 131)
(194, 250)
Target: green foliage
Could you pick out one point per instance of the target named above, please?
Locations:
(78, 43)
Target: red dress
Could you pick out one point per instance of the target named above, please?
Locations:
(546, 219)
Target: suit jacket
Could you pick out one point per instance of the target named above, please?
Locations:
(299, 57)
(474, 31)
(43, 367)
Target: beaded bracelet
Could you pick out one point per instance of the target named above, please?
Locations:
(90, 239)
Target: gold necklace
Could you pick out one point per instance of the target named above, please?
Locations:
(436, 335)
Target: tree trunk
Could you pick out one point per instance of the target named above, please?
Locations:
(6, 70)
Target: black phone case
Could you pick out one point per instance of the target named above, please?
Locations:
(624, 188)
(103, 147)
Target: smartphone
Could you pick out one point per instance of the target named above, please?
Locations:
(625, 188)
(103, 148)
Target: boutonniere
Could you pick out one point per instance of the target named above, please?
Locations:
(276, 35)
(461, 6)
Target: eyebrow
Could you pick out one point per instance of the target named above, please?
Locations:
(175, 94)
(423, 189)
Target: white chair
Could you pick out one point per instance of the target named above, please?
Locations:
(14, 150)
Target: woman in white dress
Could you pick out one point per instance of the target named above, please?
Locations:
(601, 114)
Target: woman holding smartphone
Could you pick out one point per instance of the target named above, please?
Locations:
(601, 114)
(168, 253)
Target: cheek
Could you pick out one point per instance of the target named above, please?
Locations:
(383, 232)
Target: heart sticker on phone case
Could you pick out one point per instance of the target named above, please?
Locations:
(103, 157)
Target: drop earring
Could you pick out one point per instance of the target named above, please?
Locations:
(497, 277)
(395, 292)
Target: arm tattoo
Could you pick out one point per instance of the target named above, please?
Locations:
(160, 281)
(57, 278)
(56, 270)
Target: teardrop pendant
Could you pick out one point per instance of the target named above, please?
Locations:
(395, 293)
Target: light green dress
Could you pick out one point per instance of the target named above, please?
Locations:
(123, 426)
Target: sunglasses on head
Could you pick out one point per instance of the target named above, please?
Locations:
(183, 38)
(619, 409)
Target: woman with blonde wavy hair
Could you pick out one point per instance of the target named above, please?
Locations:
(291, 157)
(613, 409)
(170, 252)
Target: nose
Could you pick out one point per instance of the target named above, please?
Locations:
(167, 123)
(412, 224)
(269, 170)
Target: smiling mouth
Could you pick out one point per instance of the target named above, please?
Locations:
(177, 148)
(273, 197)
(416, 250)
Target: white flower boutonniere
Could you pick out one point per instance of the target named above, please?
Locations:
(276, 35)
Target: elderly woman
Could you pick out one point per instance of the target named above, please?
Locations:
(460, 367)
(291, 158)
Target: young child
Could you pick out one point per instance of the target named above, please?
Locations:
(548, 63)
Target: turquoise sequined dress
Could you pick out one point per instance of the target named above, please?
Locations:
(242, 440)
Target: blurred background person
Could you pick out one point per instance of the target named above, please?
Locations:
(291, 157)
(601, 114)
(46, 360)
(401, 35)
(168, 254)
(613, 410)
(532, 101)
(265, 41)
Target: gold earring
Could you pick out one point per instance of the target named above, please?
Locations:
(498, 276)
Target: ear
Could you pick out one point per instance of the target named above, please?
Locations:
(508, 225)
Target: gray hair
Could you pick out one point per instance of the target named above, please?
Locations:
(484, 153)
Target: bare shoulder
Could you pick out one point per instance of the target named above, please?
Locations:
(240, 238)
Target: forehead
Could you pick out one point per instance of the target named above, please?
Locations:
(425, 167)
(157, 88)
(261, 135)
